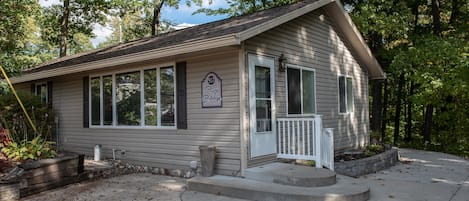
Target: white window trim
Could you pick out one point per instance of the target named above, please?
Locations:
(142, 109)
(301, 68)
(347, 111)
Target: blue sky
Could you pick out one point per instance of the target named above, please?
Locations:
(183, 15)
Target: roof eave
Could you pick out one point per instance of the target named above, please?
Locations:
(355, 39)
(200, 45)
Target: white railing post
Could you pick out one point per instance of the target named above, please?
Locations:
(328, 153)
(318, 135)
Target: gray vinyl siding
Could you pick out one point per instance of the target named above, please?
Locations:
(311, 41)
(165, 148)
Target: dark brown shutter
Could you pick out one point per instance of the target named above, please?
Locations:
(49, 93)
(181, 102)
(86, 104)
(33, 89)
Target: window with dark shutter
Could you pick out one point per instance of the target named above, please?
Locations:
(181, 95)
(86, 117)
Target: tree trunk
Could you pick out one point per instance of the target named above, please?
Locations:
(385, 110)
(436, 17)
(377, 107)
(427, 126)
(64, 28)
(454, 11)
(398, 108)
(415, 11)
(156, 17)
(408, 130)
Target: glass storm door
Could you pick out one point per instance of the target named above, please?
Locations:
(262, 106)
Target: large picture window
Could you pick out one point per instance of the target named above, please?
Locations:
(143, 98)
(301, 92)
(345, 94)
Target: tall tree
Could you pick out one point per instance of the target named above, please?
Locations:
(18, 30)
(61, 22)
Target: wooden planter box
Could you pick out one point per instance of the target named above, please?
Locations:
(47, 174)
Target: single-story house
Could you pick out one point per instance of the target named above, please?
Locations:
(258, 87)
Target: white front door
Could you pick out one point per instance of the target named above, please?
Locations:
(263, 140)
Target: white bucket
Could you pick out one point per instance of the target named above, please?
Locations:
(97, 152)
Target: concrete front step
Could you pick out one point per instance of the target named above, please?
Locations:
(344, 190)
(293, 175)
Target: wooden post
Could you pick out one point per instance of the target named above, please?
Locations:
(207, 160)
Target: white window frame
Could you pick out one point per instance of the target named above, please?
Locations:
(141, 70)
(347, 110)
(301, 68)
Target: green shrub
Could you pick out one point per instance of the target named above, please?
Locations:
(29, 150)
(13, 118)
(373, 149)
(25, 143)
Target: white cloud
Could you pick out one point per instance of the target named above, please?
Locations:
(101, 32)
(47, 3)
(183, 26)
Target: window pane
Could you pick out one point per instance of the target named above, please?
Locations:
(128, 98)
(167, 96)
(151, 103)
(342, 94)
(107, 100)
(95, 101)
(262, 82)
(43, 94)
(294, 96)
(263, 116)
(308, 92)
(349, 95)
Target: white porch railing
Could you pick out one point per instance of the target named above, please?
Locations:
(327, 145)
(302, 138)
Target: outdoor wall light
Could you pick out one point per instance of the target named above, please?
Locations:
(282, 63)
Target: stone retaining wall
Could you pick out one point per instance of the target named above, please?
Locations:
(356, 168)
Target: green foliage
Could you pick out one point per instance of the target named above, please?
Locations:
(17, 33)
(13, 119)
(401, 35)
(78, 30)
(34, 149)
(373, 149)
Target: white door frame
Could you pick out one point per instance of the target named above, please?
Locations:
(261, 143)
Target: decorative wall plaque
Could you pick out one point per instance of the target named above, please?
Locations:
(211, 91)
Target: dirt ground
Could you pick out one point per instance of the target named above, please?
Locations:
(134, 187)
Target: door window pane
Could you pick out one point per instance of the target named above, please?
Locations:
(308, 92)
(263, 115)
(342, 101)
(262, 82)
(294, 88)
(107, 100)
(167, 96)
(128, 98)
(95, 101)
(151, 103)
